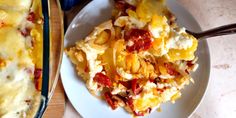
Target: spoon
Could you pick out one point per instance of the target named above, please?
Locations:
(218, 31)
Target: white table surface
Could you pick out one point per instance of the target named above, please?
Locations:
(220, 98)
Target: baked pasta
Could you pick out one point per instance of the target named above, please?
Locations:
(137, 60)
(20, 57)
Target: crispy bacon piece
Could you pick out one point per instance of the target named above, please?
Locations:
(124, 99)
(110, 101)
(127, 84)
(138, 40)
(189, 63)
(37, 78)
(102, 79)
(171, 70)
(31, 17)
(130, 103)
(135, 86)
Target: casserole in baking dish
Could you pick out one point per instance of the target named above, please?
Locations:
(24, 58)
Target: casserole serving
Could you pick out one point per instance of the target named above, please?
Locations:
(137, 60)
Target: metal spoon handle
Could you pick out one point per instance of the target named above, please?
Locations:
(219, 31)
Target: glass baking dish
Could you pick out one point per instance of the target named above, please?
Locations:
(53, 35)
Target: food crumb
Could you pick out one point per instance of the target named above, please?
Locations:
(222, 66)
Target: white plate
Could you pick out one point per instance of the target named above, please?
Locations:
(90, 107)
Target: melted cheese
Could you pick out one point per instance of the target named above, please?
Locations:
(179, 40)
(15, 4)
(15, 91)
(11, 18)
(147, 98)
(129, 22)
(15, 78)
(12, 44)
(94, 65)
(18, 95)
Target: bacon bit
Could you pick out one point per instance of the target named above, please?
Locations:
(189, 64)
(135, 86)
(152, 80)
(109, 100)
(160, 90)
(27, 101)
(2, 24)
(123, 6)
(86, 69)
(124, 99)
(186, 70)
(165, 80)
(155, 81)
(130, 103)
(25, 32)
(31, 17)
(171, 70)
(141, 40)
(127, 84)
(149, 110)
(37, 78)
(102, 80)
